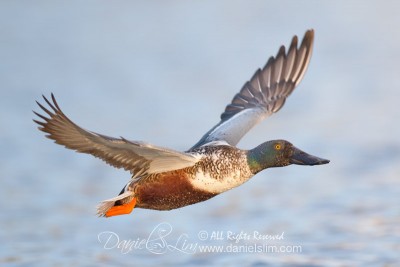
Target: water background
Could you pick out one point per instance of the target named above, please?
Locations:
(162, 72)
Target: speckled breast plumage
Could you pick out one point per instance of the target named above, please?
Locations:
(220, 169)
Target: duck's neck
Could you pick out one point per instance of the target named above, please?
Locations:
(259, 159)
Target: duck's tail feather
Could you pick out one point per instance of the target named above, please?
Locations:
(119, 205)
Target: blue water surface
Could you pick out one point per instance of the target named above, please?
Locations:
(162, 72)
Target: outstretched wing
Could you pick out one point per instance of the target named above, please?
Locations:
(264, 94)
(137, 157)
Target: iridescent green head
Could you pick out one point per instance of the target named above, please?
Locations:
(279, 153)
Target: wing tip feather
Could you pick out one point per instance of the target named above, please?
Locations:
(277, 80)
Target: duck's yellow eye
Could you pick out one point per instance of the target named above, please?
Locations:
(278, 146)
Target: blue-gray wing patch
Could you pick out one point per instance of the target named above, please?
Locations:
(264, 94)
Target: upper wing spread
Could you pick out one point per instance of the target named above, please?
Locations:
(137, 157)
(264, 94)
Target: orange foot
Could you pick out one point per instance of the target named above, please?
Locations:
(121, 209)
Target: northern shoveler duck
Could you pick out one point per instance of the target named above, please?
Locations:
(165, 179)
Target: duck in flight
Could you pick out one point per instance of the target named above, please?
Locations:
(165, 179)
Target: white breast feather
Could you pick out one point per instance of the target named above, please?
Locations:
(228, 174)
